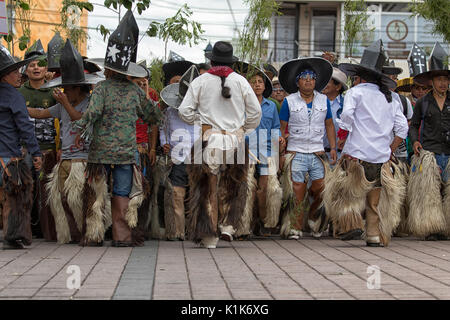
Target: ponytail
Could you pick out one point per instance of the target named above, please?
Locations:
(225, 90)
(371, 78)
(385, 90)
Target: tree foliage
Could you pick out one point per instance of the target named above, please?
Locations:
(355, 23)
(437, 11)
(257, 23)
(178, 28)
(77, 35)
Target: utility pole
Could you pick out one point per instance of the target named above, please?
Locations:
(9, 10)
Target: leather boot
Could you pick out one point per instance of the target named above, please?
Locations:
(372, 219)
(300, 191)
(178, 208)
(120, 229)
(316, 217)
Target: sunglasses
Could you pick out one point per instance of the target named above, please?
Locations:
(307, 76)
(278, 89)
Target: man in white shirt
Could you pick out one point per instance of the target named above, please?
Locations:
(370, 116)
(226, 107)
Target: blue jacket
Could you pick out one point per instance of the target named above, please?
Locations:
(15, 124)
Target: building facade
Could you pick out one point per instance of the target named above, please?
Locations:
(307, 28)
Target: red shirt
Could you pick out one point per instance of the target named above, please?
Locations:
(141, 127)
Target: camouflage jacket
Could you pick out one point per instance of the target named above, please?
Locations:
(114, 107)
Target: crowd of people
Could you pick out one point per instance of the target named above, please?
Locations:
(227, 150)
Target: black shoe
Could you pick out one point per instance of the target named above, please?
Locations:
(431, 237)
(354, 234)
(121, 244)
(12, 245)
(372, 244)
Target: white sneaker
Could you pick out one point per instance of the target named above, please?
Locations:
(295, 234)
(316, 234)
(209, 242)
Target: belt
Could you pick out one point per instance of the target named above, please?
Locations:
(206, 127)
(328, 150)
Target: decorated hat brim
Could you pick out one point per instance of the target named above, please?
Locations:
(389, 70)
(352, 69)
(291, 69)
(89, 79)
(170, 95)
(426, 77)
(404, 85)
(242, 68)
(14, 66)
(134, 70)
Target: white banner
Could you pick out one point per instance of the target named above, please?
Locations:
(3, 20)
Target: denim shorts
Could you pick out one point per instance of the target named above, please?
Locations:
(442, 160)
(307, 163)
(122, 175)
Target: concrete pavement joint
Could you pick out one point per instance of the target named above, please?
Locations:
(313, 268)
(290, 277)
(390, 274)
(254, 274)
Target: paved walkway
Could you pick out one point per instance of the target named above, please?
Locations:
(258, 269)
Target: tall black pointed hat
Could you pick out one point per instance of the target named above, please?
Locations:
(7, 62)
(437, 65)
(122, 47)
(390, 69)
(417, 61)
(173, 94)
(372, 62)
(54, 49)
(291, 69)
(72, 69)
(35, 51)
(247, 70)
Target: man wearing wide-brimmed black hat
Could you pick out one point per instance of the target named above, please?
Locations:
(430, 133)
(370, 115)
(67, 178)
(16, 184)
(307, 114)
(226, 106)
(110, 122)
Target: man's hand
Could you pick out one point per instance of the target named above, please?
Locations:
(333, 155)
(341, 143)
(417, 147)
(166, 148)
(60, 96)
(152, 157)
(78, 141)
(49, 75)
(37, 163)
(282, 142)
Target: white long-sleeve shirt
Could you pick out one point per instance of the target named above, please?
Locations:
(178, 134)
(370, 120)
(204, 102)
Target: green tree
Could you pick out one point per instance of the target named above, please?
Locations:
(437, 11)
(257, 23)
(355, 23)
(178, 28)
(70, 14)
(22, 12)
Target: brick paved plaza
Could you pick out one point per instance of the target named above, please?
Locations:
(267, 268)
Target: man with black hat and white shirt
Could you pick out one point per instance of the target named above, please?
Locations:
(110, 122)
(226, 107)
(16, 184)
(307, 113)
(359, 183)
